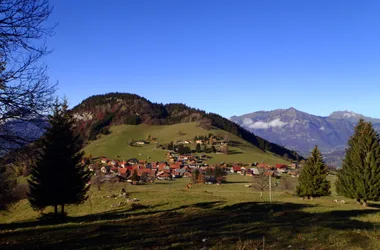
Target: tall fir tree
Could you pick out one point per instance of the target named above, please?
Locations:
(312, 179)
(359, 177)
(57, 177)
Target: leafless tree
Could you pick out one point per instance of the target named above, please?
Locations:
(287, 183)
(25, 92)
(261, 181)
(97, 180)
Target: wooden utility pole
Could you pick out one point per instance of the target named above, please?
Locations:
(270, 188)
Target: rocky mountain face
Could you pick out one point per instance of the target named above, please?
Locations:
(97, 113)
(301, 131)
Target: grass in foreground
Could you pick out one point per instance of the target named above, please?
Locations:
(229, 216)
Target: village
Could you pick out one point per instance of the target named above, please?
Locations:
(181, 162)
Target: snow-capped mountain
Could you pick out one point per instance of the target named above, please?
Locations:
(301, 131)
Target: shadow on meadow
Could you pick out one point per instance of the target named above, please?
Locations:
(234, 152)
(184, 227)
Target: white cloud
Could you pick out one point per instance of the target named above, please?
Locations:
(247, 121)
(266, 125)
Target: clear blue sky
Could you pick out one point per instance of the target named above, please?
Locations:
(228, 57)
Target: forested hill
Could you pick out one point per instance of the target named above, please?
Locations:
(97, 113)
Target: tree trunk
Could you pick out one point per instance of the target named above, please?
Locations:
(261, 194)
(63, 210)
(358, 202)
(55, 210)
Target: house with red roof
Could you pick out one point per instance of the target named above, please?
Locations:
(176, 165)
(105, 160)
(281, 166)
(263, 165)
(236, 169)
(123, 172)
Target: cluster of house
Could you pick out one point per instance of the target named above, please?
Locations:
(182, 167)
(187, 159)
(212, 140)
(178, 166)
(261, 168)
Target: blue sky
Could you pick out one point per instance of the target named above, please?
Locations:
(226, 57)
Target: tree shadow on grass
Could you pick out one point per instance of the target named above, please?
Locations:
(234, 143)
(234, 152)
(184, 227)
(374, 205)
(235, 182)
(114, 214)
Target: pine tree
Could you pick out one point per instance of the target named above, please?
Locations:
(198, 148)
(219, 174)
(171, 146)
(57, 176)
(312, 179)
(359, 177)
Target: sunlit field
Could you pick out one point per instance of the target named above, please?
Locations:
(166, 215)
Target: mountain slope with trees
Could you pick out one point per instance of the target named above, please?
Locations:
(97, 113)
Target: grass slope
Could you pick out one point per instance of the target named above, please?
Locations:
(229, 216)
(116, 143)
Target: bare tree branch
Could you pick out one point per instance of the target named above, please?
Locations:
(25, 92)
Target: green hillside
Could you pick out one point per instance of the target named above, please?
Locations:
(96, 114)
(117, 143)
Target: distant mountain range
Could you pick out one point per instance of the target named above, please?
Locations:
(18, 133)
(301, 131)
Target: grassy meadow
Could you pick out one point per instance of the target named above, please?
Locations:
(227, 216)
(117, 144)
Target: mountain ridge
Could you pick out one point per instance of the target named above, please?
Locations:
(301, 131)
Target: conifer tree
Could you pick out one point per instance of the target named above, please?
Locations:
(198, 148)
(57, 176)
(359, 177)
(219, 174)
(312, 179)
